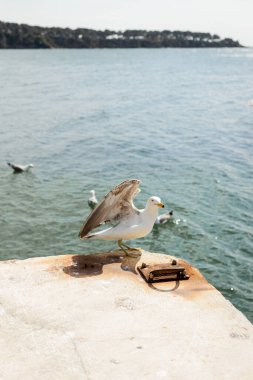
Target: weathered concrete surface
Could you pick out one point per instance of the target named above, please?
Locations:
(93, 317)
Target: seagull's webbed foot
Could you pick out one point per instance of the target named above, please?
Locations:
(131, 253)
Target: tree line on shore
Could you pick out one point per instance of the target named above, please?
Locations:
(22, 36)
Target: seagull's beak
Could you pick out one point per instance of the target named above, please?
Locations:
(161, 205)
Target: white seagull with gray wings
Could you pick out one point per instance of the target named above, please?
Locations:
(117, 206)
(20, 168)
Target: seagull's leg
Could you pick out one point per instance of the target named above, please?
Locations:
(121, 245)
(130, 248)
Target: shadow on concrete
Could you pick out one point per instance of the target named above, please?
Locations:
(92, 265)
(170, 286)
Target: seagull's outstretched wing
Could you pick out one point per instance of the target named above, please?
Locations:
(116, 205)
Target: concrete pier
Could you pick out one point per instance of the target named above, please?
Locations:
(94, 317)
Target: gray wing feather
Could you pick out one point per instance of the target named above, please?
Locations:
(116, 205)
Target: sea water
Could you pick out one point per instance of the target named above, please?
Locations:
(180, 120)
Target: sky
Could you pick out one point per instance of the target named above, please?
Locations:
(227, 18)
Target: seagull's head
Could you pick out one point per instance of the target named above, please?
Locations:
(92, 192)
(31, 166)
(155, 202)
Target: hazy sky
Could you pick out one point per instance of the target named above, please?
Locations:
(228, 18)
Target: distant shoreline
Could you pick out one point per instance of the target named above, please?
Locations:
(22, 36)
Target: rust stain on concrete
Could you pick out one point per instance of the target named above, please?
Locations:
(117, 264)
(190, 289)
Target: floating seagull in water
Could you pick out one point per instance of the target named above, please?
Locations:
(161, 219)
(20, 168)
(117, 206)
(92, 201)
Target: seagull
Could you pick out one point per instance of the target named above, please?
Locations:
(92, 201)
(161, 219)
(20, 168)
(117, 206)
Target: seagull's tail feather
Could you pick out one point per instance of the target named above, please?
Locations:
(87, 236)
(96, 235)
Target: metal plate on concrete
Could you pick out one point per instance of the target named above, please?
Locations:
(162, 272)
